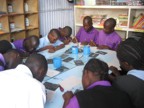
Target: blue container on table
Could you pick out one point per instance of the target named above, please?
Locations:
(74, 50)
(86, 50)
(57, 62)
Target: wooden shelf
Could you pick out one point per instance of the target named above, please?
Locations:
(33, 21)
(32, 32)
(13, 23)
(18, 22)
(17, 6)
(3, 6)
(4, 23)
(32, 5)
(18, 35)
(5, 37)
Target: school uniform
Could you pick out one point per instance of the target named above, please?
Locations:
(133, 84)
(2, 60)
(100, 95)
(83, 36)
(111, 40)
(44, 41)
(18, 44)
(20, 90)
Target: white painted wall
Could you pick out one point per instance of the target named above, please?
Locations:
(55, 14)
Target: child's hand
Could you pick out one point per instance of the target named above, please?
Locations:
(68, 95)
(74, 40)
(92, 43)
(66, 42)
(50, 47)
(52, 50)
(115, 73)
(103, 47)
(84, 43)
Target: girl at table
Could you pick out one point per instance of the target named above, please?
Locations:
(108, 38)
(98, 92)
(51, 42)
(130, 54)
(86, 34)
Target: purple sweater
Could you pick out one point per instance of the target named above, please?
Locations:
(112, 40)
(83, 36)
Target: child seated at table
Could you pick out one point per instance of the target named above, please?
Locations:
(98, 92)
(65, 36)
(108, 38)
(26, 46)
(51, 42)
(130, 54)
(86, 34)
(10, 59)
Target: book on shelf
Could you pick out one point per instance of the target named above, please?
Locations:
(139, 21)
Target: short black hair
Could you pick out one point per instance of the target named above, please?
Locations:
(97, 66)
(132, 52)
(69, 30)
(37, 61)
(55, 31)
(13, 58)
(88, 18)
(32, 37)
(110, 21)
(5, 46)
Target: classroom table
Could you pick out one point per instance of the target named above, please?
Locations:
(71, 79)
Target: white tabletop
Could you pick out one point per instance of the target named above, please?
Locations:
(71, 79)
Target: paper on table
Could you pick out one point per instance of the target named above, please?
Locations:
(70, 82)
(50, 95)
(52, 73)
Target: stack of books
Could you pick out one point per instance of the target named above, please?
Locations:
(122, 20)
(139, 22)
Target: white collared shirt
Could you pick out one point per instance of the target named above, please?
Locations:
(137, 73)
(18, 89)
(44, 41)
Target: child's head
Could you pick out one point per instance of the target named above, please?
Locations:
(38, 66)
(53, 35)
(93, 71)
(109, 25)
(31, 43)
(5, 46)
(12, 58)
(131, 54)
(87, 23)
(66, 31)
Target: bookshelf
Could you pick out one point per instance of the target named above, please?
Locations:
(18, 19)
(123, 14)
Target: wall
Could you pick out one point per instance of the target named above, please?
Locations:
(55, 14)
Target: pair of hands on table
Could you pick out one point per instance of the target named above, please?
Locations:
(51, 49)
(91, 43)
